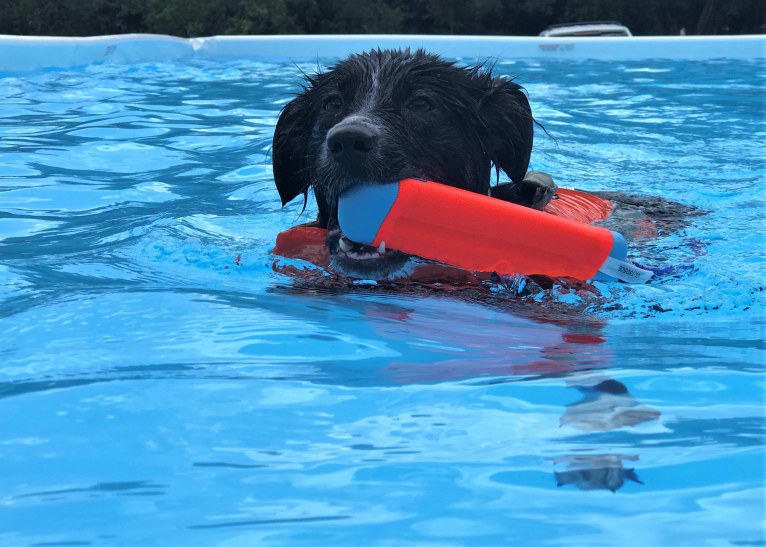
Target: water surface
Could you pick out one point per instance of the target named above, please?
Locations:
(162, 385)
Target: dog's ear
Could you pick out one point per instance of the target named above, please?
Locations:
(507, 130)
(289, 149)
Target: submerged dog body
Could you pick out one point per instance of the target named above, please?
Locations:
(383, 116)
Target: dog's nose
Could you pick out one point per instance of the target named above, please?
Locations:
(351, 141)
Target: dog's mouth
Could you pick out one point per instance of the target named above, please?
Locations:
(365, 261)
(357, 259)
(359, 251)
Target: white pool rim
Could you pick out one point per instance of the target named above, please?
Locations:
(25, 53)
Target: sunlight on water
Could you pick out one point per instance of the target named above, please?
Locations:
(155, 369)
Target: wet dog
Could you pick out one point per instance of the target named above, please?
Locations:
(387, 115)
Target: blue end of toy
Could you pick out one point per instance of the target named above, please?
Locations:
(363, 208)
(615, 267)
(619, 246)
(619, 251)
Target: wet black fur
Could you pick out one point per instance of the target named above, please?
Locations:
(433, 120)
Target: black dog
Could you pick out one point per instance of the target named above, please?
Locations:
(387, 115)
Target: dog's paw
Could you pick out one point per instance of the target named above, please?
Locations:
(535, 191)
(538, 188)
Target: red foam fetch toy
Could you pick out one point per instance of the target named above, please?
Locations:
(480, 233)
(307, 242)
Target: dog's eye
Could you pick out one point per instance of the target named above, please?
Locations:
(420, 104)
(332, 103)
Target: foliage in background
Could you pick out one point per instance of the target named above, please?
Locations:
(504, 17)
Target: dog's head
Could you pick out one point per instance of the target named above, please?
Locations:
(387, 115)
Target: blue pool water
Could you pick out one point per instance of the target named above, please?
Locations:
(158, 390)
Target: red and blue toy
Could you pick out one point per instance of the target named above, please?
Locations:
(481, 233)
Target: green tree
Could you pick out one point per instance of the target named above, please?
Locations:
(503, 17)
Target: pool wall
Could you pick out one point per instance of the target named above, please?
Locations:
(23, 53)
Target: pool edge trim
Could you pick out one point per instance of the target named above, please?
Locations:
(27, 53)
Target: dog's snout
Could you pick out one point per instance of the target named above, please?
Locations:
(351, 141)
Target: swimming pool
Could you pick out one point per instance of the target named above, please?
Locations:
(161, 384)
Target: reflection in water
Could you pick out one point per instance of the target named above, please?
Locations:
(606, 405)
(516, 345)
(447, 339)
(595, 472)
(485, 341)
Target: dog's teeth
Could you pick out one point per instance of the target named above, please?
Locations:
(382, 247)
(363, 255)
(344, 245)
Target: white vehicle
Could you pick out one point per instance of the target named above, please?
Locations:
(595, 28)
